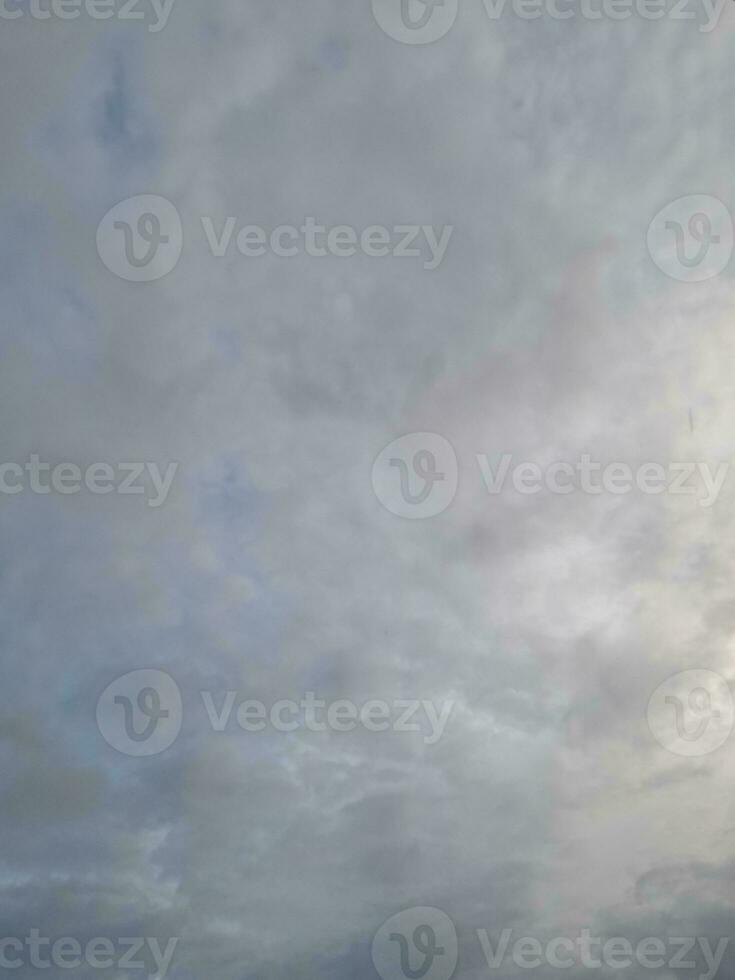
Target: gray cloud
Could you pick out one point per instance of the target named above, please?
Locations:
(547, 332)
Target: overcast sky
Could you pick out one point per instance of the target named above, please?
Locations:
(275, 565)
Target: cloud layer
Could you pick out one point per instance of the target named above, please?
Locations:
(273, 570)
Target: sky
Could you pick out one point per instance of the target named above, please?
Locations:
(581, 304)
